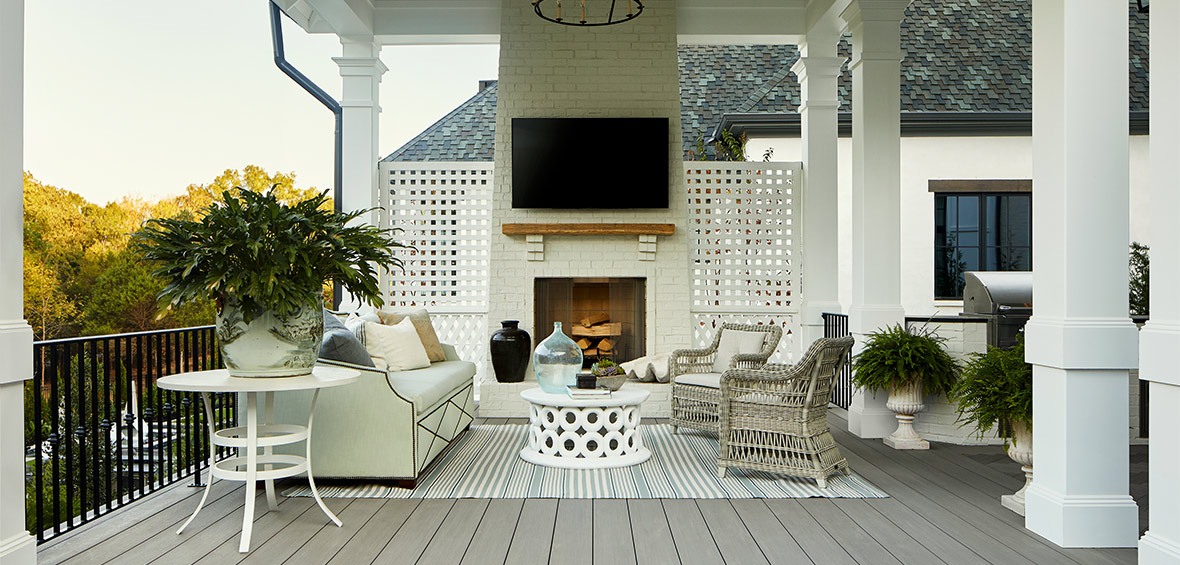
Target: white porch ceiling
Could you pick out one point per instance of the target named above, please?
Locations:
(439, 22)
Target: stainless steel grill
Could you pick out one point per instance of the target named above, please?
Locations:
(1004, 298)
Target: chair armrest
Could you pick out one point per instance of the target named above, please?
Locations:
(684, 361)
(451, 353)
(748, 360)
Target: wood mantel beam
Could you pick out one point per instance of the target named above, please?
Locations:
(589, 229)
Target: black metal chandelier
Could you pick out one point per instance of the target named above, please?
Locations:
(600, 12)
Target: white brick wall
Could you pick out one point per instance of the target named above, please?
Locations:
(625, 70)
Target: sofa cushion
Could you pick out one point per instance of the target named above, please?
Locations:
(711, 380)
(340, 344)
(421, 319)
(425, 387)
(398, 345)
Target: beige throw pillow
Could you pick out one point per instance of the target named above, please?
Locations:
(421, 320)
(398, 345)
(736, 342)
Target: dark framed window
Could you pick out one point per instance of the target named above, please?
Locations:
(979, 231)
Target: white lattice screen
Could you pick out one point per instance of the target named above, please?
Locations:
(445, 210)
(742, 246)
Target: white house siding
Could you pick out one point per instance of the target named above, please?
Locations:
(932, 158)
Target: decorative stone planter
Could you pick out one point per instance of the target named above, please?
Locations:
(268, 346)
(905, 401)
(1021, 451)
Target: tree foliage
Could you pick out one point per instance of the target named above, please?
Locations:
(1140, 279)
(81, 279)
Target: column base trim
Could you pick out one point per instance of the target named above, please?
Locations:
(20, 549)
(1155, 549)
(1082, 520)
(871, 422)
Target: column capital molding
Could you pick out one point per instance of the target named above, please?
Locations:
(1082, 343)
(360, 66)
(818, 67)
(861, 11)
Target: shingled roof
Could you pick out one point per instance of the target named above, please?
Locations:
(963, 56)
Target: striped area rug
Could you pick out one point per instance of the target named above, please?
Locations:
(486, 464)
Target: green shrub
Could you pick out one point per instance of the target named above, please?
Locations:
(896, 356)
(996, 389)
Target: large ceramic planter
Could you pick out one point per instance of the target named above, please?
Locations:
(557, 362)
(1021, 451)
(510, 352)
(905, 402)
(268, 346)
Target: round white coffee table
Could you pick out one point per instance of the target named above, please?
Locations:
(585, 433)
(250, 438)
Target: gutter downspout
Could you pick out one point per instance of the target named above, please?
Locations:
(276, 34)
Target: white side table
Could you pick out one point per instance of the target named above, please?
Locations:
(252, 436)
(585, 433)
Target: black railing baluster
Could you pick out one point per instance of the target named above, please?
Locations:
(105, 424)
(38, 396)
(141, 421)
(67, 432)
(55, 439)
(836, 325)
(120, 374)
(95, 441)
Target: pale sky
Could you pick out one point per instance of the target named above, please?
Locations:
(143, 97)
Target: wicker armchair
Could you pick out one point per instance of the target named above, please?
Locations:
(775, 418)
(695, 398)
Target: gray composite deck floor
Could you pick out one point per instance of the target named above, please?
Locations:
(943, 508)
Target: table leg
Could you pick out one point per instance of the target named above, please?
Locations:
(271, 503)
(251, 469)
(212, 460)
(310, 479)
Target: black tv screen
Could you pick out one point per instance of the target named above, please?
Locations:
(590, 162)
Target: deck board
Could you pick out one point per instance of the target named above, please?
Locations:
(943, 508)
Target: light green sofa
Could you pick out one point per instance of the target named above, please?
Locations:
(387, 425)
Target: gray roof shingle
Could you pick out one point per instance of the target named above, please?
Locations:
(960, 56)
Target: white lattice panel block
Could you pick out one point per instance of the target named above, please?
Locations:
(445, 212)
(705, 326)
(741, 231)
(469, 334)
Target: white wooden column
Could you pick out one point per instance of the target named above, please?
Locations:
(818, 69)
(17, 547)
(1160, 339)
(360, 71)
(876, 189)
(1081, 341)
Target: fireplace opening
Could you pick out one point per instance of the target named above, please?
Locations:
(605, 316)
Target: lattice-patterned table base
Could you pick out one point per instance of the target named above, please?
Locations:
(585, 433)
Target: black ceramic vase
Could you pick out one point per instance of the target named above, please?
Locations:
(511, 348)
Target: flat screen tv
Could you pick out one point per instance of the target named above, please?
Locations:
(589, 163)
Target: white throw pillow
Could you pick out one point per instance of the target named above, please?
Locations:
(398, 345)
(736, 342)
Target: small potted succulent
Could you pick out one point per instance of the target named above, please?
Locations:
(911, 364)
(996, 392)
(265, 263)
(609, 374)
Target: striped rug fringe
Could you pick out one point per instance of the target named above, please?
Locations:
(486, 464)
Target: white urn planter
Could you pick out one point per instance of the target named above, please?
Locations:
(905, 402)
(1020, 450)
(269, 346)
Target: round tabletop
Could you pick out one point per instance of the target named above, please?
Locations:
(622, 397)
(322, 376)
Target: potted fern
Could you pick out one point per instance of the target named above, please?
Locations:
(910, 364)
(265, 264)
(996, 392)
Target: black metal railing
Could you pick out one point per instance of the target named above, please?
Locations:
(100, 434)
(836, 325)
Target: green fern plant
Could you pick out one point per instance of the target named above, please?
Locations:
(995, 390)
(269, 255)
(896, 356)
